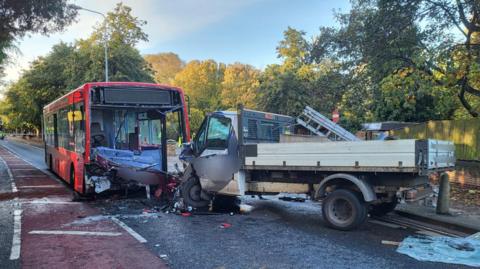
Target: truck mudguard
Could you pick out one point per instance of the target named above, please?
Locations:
(364, 187)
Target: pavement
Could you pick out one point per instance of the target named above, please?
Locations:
(456, 220)
(275, 234)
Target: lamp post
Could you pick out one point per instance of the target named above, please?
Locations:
(105, 35)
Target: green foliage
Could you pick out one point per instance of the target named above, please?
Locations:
(201, 81)
(293, 49)
(240, 86)
(289, 87)
(31, 16)
(390, 61)
(68, 66)
(196, 118)
(165, 66)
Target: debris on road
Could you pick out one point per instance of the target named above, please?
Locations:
(444, 249)
(392, 243)
(225, 225)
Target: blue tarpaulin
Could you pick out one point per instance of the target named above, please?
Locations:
(464, 251)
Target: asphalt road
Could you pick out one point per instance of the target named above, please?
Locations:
(275, 234)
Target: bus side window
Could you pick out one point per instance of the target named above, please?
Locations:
(55, 130)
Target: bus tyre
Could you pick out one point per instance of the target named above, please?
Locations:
(72, 177)
(191, 193)
(383, 208)
(344, 210)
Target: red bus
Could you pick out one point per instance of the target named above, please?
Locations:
(104, 135)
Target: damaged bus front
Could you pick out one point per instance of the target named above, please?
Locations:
(111, 135)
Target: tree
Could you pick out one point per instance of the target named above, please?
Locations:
(240, 85)
(201, 81)
(165, 66)
(282, 92)
(123, 33)
(298, 81)
(381, 48)
(68, 66)
(293, 49)
(20, 17)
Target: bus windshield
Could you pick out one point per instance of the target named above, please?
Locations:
(133, 129)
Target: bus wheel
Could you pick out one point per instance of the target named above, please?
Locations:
(192, 193)
(72, 177)
(344, 210)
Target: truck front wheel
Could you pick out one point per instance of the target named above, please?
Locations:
(344, 210)
(191, 193)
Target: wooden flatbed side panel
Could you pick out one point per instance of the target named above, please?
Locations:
(274, 187)
(395, 153)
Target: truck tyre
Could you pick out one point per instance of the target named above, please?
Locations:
(191, 193)
(344, 210)
(383, 208)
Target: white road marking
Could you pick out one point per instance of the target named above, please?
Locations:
(129, 230)
(33, 176)
(9, 172)
(14, 187)
(57, 232)
(17, 232)
(15, 154)
(46, 172)
(41, 202)
(41, 186)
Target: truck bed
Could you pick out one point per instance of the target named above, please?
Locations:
(408, 155)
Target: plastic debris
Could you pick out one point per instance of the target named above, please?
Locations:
(244, 208)
(225, 225)
(464, 251)
(392, 243)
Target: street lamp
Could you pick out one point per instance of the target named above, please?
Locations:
(105, 35)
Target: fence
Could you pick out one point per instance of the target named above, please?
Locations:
(466, 136)
(464, 133)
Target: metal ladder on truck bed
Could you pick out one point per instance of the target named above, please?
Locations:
(322, 126)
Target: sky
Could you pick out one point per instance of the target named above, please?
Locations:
(227, 31)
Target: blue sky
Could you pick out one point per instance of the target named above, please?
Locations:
(246, 31)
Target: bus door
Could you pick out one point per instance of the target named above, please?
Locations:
(77, 118)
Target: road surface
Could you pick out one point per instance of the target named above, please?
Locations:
(275, 234)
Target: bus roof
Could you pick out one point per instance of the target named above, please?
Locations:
(116, 83)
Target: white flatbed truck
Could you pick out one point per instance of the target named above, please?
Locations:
(353, 179)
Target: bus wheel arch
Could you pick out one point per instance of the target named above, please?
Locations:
(72, 176)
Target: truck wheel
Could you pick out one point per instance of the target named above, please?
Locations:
(383, 208)
(344, 210)
(191, 193)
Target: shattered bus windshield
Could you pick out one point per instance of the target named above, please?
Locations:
(130, 132)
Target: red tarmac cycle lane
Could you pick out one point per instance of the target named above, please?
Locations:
(53, 234)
